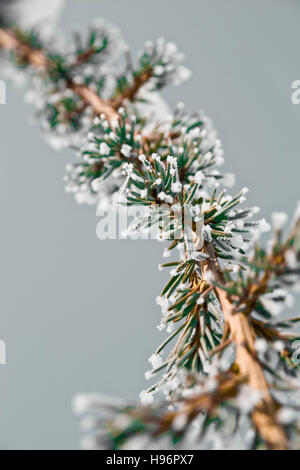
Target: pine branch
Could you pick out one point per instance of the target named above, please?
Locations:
(222, 286)
(131, 92)
(37, 58)
(31, 56)
(246, 359)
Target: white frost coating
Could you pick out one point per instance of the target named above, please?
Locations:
(126, 150)
(228, 180)
(104, 149)
(199, 176)
(155, 360)
(279, 345)
(291, 259)
(277, 300)
(264, 226)
(155, 109)
(261, 345)
(84, 402)
(297, 212)
(286, 415)
(176, 187)
(279, 219)
(146, 398)
(248, 398)
(209, 276)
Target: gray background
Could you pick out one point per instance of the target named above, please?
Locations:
(78, 314)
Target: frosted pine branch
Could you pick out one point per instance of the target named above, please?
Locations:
(227, 361)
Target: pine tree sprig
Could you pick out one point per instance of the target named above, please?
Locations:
(227, 357)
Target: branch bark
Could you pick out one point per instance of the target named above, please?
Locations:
(132, 91)
(38, 59)
(33, 56)
(264, 414)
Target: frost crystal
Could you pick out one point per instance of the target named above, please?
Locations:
(279, 219)
(146, 398)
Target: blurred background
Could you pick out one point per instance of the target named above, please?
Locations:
(79, 314)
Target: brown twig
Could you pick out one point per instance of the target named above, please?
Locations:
(33, 56)
(38, 59)
(228, 388)
(264, 414)
(133, 89)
